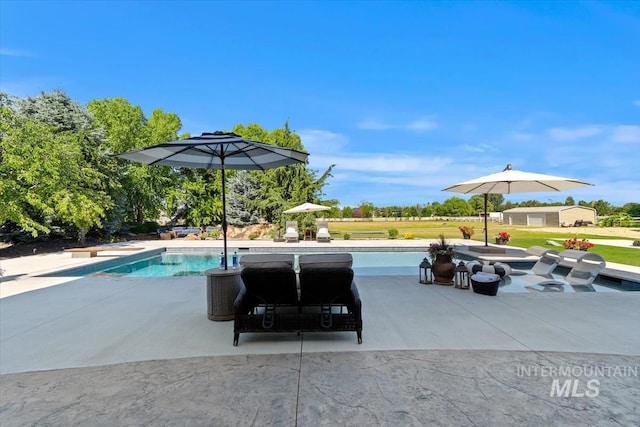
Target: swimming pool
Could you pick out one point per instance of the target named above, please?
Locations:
(169, 264)
(162, 263)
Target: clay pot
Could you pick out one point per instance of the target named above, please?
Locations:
(443, 270)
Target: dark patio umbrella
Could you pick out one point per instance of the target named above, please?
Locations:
(217, 150)
(513, 181)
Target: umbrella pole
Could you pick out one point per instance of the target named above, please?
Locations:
(486, 229)
(224, 215)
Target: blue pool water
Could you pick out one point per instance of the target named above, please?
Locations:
(195, 264)
(176, 264)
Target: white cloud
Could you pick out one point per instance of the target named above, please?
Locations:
(13, 52)
(322, 141)
(372, 124)
(419, 125)
(565, 134)
(522, 136)
(626, 133)
(422, 125)
(636, 102)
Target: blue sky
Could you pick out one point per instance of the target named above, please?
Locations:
(405, 98)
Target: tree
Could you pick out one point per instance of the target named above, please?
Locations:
(476, 204)
(242, 188)
(602, 208)
(455, 206)
(52, 167)
(144, 187)
(569, 201)
(367, 209)
(496, 201)
(284, 187)
(347, 212)
(633, 209)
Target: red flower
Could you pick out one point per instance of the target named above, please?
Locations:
(580, 245)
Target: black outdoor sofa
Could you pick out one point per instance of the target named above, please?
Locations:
(322, 298)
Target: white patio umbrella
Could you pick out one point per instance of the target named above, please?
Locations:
(513, 181)
(217, 150)
(307, 207)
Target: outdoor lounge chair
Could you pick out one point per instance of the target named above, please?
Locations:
(291, 232)
(323, 231)
(326, 300)
(580, 277)
(268, 301)
(329, 300)
(548, 260)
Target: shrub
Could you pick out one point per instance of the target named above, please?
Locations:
(346, 236)
(409, 235)
(393, 233)
(252, 236)
(214, 234)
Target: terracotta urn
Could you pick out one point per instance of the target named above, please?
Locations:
(444, 270)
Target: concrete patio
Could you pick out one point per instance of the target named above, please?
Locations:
(132, 351)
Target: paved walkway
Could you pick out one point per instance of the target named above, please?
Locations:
(132, 351)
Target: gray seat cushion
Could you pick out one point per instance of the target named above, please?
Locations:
(325, 260)
(267, 260)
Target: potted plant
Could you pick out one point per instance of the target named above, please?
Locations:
(443, 268)
(467, 231)
(580, 245)
(502, 238)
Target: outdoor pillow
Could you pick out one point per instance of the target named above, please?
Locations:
(323, 230)
(326, 260)
(267, 260)
(291, 231)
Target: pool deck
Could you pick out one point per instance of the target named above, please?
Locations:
(132, 351)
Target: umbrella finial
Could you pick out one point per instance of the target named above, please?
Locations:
(508, 168)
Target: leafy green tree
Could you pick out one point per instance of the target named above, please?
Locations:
(412, 211)
(284, 187)
(47, 167)
(347, 212)
(144, 187)
(569, 201)
(632, 209)
(367, 209)
(496, 201)
(602, 208)
(455, 206)
(476, 204)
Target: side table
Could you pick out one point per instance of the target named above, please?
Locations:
(222, 289)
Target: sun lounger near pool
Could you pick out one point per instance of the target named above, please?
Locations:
(581, 277)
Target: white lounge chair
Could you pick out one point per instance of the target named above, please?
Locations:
(291, 233)
(580, 278)
(322, 234)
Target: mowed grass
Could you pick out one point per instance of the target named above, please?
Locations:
(521, 236)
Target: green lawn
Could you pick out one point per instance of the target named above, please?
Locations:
(521, 236)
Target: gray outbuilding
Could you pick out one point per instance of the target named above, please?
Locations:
(550, 216)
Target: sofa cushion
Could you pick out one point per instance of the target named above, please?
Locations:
(326, 260)
(326, 285)
(267, 260)
(269, 286)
